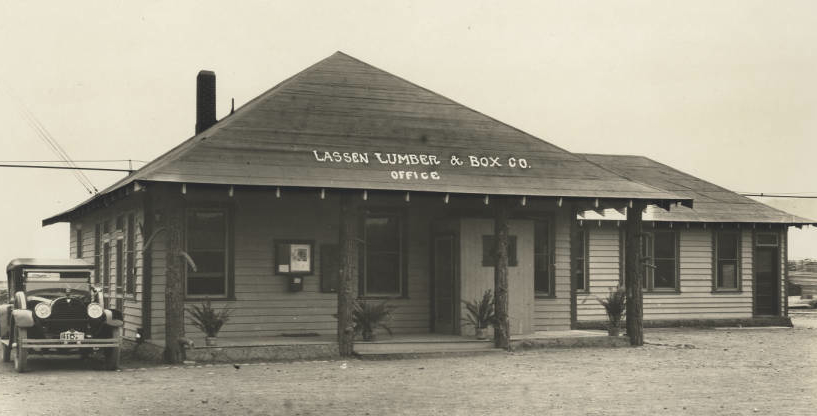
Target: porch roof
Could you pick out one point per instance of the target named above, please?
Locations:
(334, 124)
(712, 202)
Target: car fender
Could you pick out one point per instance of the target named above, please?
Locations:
(20, 300)
(23, 318)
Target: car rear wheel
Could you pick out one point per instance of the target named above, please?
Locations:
(20, 353)
(112, 358)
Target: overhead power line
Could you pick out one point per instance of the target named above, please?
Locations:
(80, 161)
(75, 168)
(46, 136)
(782, 196)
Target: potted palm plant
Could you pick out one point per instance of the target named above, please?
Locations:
(480, 314)
(368, 316)
(614, 304)
(208, 320)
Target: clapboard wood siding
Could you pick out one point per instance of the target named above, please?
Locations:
(263, 304)
(695, 300)
(132, 311)
(553, 313)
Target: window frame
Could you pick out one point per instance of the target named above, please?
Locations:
(550, 258)
(648, 246)
(650, 269)
(106, 265)
(119, 256)
(130, 255)
(585, 268)
(78, 234)
(229, 251)
(716, 261)
(402, 252)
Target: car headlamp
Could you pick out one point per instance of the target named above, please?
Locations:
(42, 310)
(95, 310)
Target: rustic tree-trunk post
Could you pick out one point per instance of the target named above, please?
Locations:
(575, 253)
(174, 286)
(502, 330)
(633, 274)
(347, 284)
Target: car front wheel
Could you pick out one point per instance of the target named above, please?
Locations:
(20, 353)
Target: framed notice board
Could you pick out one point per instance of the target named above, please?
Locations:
(294, 257)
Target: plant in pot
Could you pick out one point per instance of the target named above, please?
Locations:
(209, 320)
(615, 305)
(480, 314)
(368, 316)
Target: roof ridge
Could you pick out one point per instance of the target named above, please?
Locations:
(457, 103)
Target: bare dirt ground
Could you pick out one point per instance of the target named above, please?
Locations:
(682, 371)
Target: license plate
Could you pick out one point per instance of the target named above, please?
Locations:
(72, 335)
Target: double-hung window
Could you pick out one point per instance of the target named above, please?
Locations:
(660, 256)
(78, 233)
(581, 277)
(208, 245)
(97, 253)
(662, 270)
(726, 261)
(382, 259)
(130, 266)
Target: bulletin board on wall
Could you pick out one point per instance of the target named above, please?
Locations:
(294, 257)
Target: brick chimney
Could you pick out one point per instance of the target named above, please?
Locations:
(205, 100)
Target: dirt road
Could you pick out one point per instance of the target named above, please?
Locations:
(681, 371)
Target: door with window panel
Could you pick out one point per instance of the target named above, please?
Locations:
(767, 274)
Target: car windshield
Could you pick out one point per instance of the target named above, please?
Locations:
(52, 284)
(57, 289)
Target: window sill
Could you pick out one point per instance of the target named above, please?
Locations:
(210, 298)
(661, 292)
(727, 292)
(544, 296)
(381, 297)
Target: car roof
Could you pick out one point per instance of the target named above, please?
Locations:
(45, 263)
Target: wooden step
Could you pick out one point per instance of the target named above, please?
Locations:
(421, 347)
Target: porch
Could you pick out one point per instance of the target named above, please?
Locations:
(284, 348)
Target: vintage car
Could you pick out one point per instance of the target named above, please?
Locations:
(53, 308)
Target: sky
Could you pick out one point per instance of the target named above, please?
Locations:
(725, 91)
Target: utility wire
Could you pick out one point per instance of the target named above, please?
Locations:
(782, 196)
(48, 138)
(75, 168)
(80, 161)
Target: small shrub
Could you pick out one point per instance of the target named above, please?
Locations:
(367, 317)
(480, 311)
(615, 305)
(207, 319)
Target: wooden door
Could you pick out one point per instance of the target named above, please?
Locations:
(767, 280)
(445, 285)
